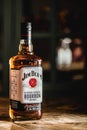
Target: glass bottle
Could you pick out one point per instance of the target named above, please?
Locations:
(25, 79)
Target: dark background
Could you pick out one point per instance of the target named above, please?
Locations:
(51, 20)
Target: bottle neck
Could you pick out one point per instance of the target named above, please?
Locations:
(25, 48)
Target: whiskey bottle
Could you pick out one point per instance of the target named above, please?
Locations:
(25, 80)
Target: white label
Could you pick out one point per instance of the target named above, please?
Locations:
(26, 85)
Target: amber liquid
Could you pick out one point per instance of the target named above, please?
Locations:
(24, 59)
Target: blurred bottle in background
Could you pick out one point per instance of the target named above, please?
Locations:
(64, 54)
(78, 51)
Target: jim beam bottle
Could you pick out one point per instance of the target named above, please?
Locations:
(25, 77)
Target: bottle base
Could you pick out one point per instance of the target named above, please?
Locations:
(24, 116)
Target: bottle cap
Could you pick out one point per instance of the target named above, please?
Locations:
(66, 40)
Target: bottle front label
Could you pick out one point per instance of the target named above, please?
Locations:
(26, 85)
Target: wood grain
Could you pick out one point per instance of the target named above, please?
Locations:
(58, 114)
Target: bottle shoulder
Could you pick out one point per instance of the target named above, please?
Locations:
(19, 61)
(25, 57)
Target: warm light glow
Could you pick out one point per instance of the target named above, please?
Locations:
(5, 125)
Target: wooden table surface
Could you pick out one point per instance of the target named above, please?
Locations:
(58, 114)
